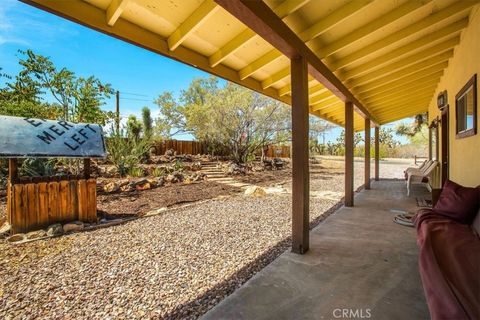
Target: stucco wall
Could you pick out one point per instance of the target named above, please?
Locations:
(465, 152)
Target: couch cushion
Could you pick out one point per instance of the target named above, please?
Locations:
(449, 264)
(458, 202)
(476, 223)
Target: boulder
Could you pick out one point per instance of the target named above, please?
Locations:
(73, 226)
(127, 188)
(36, 234)
(170, 153)
(144, 186)
(111, 187)
(55, 230)
(171, 178)
(17, 237)
(255, 191)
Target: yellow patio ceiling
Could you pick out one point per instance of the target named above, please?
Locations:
(385, 52)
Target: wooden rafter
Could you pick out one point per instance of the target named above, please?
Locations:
(426, 57)
(404, 33)
(205, 10)
(283, 10)
(410, 48)
(370, 27)
(114, 10)
(307, 35)
(423, 67)
(260, 18)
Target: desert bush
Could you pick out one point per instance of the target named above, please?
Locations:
(178, 166)
(126, 154)
(158, 172)
(37, 167)
(136, 172)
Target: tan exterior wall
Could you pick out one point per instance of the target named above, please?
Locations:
(465, 152)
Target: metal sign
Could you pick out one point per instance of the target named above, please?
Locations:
(26, 137)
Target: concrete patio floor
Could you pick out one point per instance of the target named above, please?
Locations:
(359, 260)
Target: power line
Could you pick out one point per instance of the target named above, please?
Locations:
(134, 94)
(134, 99)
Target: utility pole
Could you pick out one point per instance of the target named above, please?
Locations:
(118, 112)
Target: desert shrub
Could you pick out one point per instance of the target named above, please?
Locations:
(126, 154)
(136, 172)
(178, 166)
(158, 172)
(37, 167)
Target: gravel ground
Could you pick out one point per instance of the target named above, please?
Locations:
(175, 265)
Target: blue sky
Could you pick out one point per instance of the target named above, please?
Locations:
(127, 68)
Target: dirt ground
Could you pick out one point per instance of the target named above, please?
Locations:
(140, 202)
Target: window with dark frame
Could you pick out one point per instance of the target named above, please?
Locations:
(466, 109)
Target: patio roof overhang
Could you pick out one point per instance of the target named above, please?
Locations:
(386, 57)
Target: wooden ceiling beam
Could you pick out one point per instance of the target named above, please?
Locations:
(417, 61)
(307, 35)
(314, 99)
(404, 90)
(192, 23)
(405, 102)
(401, 95)
(260, 18)
(423, 67)
(283, 10)
(390, 39)
(326, 101)
(365, 30)
(429, 72)
(115, 10)
(410, 48)
(277, 77)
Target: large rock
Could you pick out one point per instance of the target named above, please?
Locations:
(144, 186)
(170, 153)
(255, 191)
(73, 226)
(36, 234)
(17, 237)
(55, 230)
(111, 187)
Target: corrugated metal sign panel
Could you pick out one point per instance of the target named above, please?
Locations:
(24, 137)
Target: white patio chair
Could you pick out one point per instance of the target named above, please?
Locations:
(420, 176)
(422, 167)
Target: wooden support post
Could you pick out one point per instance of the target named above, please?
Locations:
(300, 170)
(377, 153)
(349, 154)
(12, 177)
(86, 168)
(367, 154)
(430, 144)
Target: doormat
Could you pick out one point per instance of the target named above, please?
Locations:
(424, 203)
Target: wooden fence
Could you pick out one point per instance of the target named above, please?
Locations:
(180, 146)
(34, 205)
(278, 152)
(196, 147)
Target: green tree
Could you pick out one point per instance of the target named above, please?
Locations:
(134, 128)
(147, 122)
(229, 118)
(77, 99)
